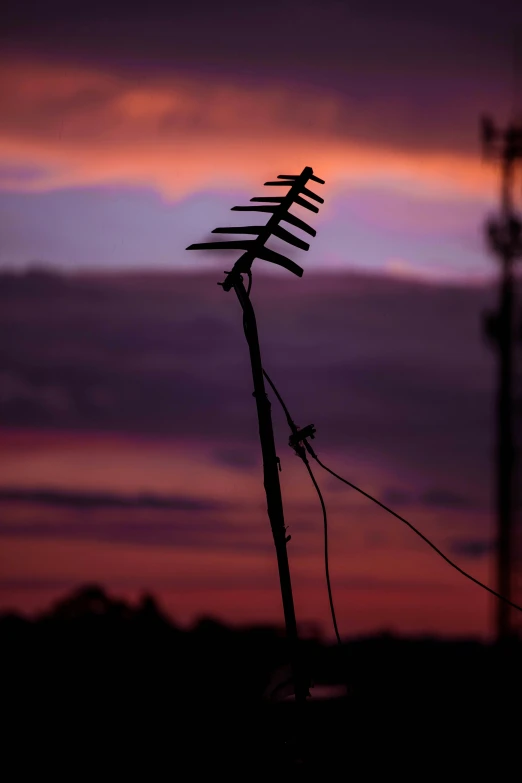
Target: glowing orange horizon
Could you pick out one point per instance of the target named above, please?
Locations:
(86, 127)
(398, 583)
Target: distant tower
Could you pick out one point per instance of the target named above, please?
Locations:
(504, 328)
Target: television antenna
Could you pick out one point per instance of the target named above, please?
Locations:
(278, 207)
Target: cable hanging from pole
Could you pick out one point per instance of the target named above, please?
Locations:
(301, 435)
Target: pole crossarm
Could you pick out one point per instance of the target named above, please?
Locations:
(279, 207)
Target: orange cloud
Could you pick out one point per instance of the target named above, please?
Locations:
(82, 127)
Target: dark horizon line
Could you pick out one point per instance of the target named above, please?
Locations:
(379, 634)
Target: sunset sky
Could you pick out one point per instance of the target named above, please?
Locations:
(127, 133)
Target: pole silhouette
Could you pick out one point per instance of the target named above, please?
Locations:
(505, 239)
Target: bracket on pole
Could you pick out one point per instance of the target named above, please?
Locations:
(301, 435)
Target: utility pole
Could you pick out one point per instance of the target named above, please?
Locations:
(279, 209)
(505, 239)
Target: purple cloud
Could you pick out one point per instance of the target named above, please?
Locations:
(394, 371)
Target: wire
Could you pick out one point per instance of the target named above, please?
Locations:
(424, 538)
(245, 325)
(300, 451)
(302, 454)
(326, 563)
(289, 419)
(390, 511)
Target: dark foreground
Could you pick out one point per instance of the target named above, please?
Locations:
(98, 689)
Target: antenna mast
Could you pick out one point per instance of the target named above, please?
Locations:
(255, 248)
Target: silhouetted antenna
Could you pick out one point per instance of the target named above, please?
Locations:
(504, 235)
(278, 207)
